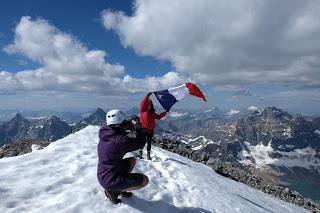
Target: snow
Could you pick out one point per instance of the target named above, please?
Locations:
(35, 117)
(210, 110)
(300, 157)
(177, 114)
(197, 147)
(35, 147)
(62, 178)
(261, 154)
(288, 132)
(317, 132)
(196, 143)
(253, 108)
(233, 112)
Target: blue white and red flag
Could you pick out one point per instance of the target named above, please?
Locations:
(167, 98)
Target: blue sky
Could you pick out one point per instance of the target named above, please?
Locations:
(82, 20)
(64, 55)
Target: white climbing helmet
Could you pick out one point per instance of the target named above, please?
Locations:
(115, 116)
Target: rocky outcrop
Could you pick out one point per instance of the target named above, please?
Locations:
(21, 147)
(14, 129)
(284, 131)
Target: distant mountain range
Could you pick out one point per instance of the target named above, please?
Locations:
(20, 128)
(285, 147)
(68, 117)
(49, 128)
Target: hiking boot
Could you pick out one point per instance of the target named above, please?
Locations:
(140, 154)
(126, 194)
(113, 196)
(149, 157)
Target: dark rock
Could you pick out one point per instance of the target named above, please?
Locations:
(19, 128)
(21, 147)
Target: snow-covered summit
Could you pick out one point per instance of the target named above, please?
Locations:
(62, 178)
(253, 108)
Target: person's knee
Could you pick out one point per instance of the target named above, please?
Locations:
(145, 181)
(133, 162)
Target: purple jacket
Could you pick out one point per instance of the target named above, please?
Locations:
(113, 145)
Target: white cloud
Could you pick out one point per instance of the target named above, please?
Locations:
(65, 64)
(154, 83)
(229, 44)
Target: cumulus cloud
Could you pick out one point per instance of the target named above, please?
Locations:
(229, 44)
(65, 64)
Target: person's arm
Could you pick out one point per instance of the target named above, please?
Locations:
(131, 144)
(161, 115)
(144, 103)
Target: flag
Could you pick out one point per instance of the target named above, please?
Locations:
(167, 98)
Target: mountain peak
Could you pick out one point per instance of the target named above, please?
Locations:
(96, 118)
(253, 108)
(18, 118)
(99, 111)
(276, 113)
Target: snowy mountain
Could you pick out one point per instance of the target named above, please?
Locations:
(233, 112)
(20, 128)
(49, 128)
(98, 117)
(285, 146)
(281, 134)
(62, 178)
(253, 108)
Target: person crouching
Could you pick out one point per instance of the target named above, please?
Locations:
(115, 173)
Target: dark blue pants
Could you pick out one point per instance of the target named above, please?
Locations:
(148, 135)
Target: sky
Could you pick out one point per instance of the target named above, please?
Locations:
(69, 56)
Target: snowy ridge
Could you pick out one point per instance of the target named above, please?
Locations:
(62, 178)
(233, 112)
(196, 143)
(210, 110)
(253, 108)
(177, 114)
